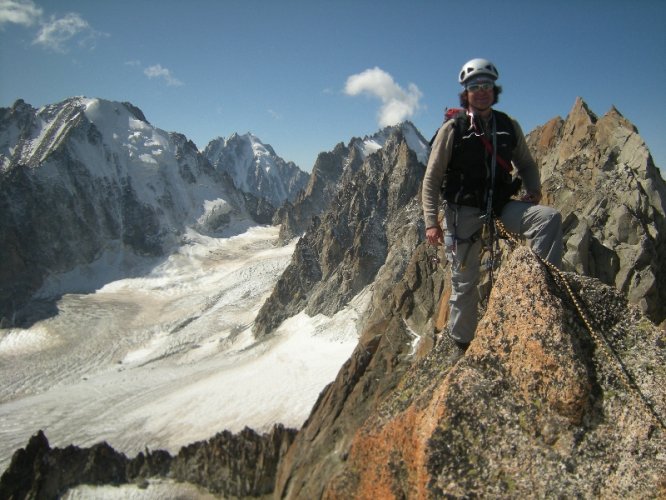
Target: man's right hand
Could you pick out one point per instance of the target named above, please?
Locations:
(434, 235)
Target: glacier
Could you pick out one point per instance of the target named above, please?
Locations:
(172, 359)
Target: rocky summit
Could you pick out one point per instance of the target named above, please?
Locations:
(562, 392)
(535, 408)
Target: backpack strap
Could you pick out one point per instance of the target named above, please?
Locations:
(449, 114)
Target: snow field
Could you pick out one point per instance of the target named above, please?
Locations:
(168, 358)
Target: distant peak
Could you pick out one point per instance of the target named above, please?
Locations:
(581, 110)
(253, 138)
(615, 116)
(20, 106)
(404, 125)
(409, 133)
(135, 111)
(247, 136)
(19, 103)
(613, 110)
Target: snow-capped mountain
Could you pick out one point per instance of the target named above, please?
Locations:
(87, 179)
(256, 168)
(413, 138)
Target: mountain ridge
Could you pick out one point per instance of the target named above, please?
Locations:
(534, 406)
(330, 171)
(346, 246)
(89, 176)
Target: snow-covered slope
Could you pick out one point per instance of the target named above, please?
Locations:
(167, 358)
(256, 168)
(86, 178)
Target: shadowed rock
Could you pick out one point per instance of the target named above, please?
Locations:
(236, 465)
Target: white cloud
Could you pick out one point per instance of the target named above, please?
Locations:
(57, 33)
(397, 104)
(157, 71)
(19, 12)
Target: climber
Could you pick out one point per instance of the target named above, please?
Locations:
(470, 164)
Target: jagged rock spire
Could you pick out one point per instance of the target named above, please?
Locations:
(599, 173)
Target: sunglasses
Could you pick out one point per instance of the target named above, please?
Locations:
(475, 87)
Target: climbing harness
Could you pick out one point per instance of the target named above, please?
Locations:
(611, 356)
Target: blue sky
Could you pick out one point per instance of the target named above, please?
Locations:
(280, 69)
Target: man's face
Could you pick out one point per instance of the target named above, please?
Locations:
(481, 95)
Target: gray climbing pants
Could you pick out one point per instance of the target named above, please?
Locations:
(539, 224)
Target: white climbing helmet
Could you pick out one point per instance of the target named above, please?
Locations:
(477, 67)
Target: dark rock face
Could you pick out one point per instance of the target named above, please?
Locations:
(37, 471)
(373, 214)
(240, 466)
(295, 216)
(260, 209)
